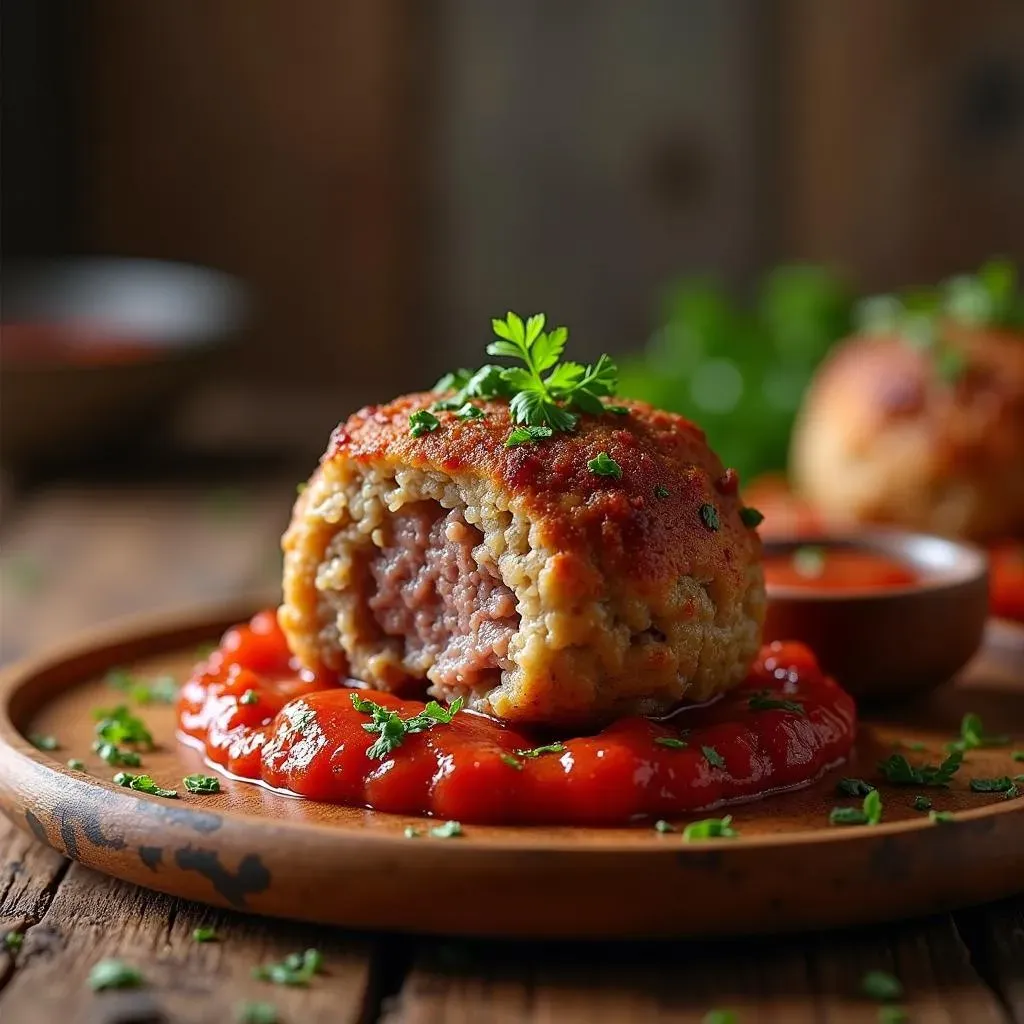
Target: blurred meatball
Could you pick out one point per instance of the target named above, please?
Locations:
(518, 577)
(928, 437)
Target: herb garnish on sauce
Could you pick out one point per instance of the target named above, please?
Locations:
(391, 729)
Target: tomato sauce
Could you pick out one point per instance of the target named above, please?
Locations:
(1006, 567)
(260, 719)
(837, 569)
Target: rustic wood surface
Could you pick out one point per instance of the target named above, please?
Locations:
(76, 554)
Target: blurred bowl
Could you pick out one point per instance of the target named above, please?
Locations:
(886, 642)
(95, 352)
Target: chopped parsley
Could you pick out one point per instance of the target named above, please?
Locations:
(713, 757)
(899, 771)
(853, 787)
(412, 833)
(205, 934)
(297, 969)
(160, 690)
(869, 814)
(750, 517)
(527, 435)
(119, 726)
(512, 762)
(201, 784)
(999, 785)
(114, 974)
(249, 697)
(469, 411)
(973, 736)
(76, 765)
(604, 465)
(710, 828)
(144, 784)
(13, 942)
(672, 742)
(661, 491)
(423, 422)
(41, 742)
(257, 1013)
(449, 830)
(763, 701)
(720, 1017)
(392, 730)
(940, 817)
(882, 986)
(809, 561)
(617, 410)
(922, 803)
(548, 748)
(115, 756)
(663, 826)
(709, 516)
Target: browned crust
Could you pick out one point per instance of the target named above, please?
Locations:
(639, 535)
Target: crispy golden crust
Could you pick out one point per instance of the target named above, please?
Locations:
(640, 536)
(885, 436)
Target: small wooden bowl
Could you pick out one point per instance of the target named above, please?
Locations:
(882, 644)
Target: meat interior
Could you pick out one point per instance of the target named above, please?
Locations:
(436, 587)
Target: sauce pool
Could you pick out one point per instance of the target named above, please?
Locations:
(822, 568)
(259, 719)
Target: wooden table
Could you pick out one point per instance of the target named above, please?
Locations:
(74, 554)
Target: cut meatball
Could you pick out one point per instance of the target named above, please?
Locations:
(438, 589)
(519, 578)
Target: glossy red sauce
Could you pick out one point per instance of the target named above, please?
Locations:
(1006, 569)
(303, 735)
(837, 569)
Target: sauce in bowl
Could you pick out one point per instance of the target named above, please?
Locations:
(822, 568)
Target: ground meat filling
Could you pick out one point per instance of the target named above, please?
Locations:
(438, 589)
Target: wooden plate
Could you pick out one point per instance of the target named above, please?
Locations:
(272, 854)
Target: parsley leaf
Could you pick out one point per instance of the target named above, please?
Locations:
(661, 491)
(710, 828)
(972, 735)
(205, 934)
(713, 757)
(249, 697)
(940, 817)
(423, 422)
(869, 814)
(525, 435)
(672, 742)
(550, 748)
(750, 517)
(763, 701)
(456, 380)
(449, 830)
(411, 832)
(44, 742)
(853, 787)
(999, 785)
(160, 690)
(201, 784)
(512, 762)
(899, 771)
(604, 465)
(663, 826)
(297, 969)
(144, 784)
(922, 803)
(469, 411)
(882, 986)
(115, 756)
(114, 974)
(391, 729)
(257, 1013)
(119, 725)
(709, 517)
(75, 764)
(13, 942)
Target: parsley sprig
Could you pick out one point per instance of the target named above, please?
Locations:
(544, 391)
(391, 728)
(973, 735)
(899, 771)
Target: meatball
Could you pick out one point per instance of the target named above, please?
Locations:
(518, 577)
(931, 439)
